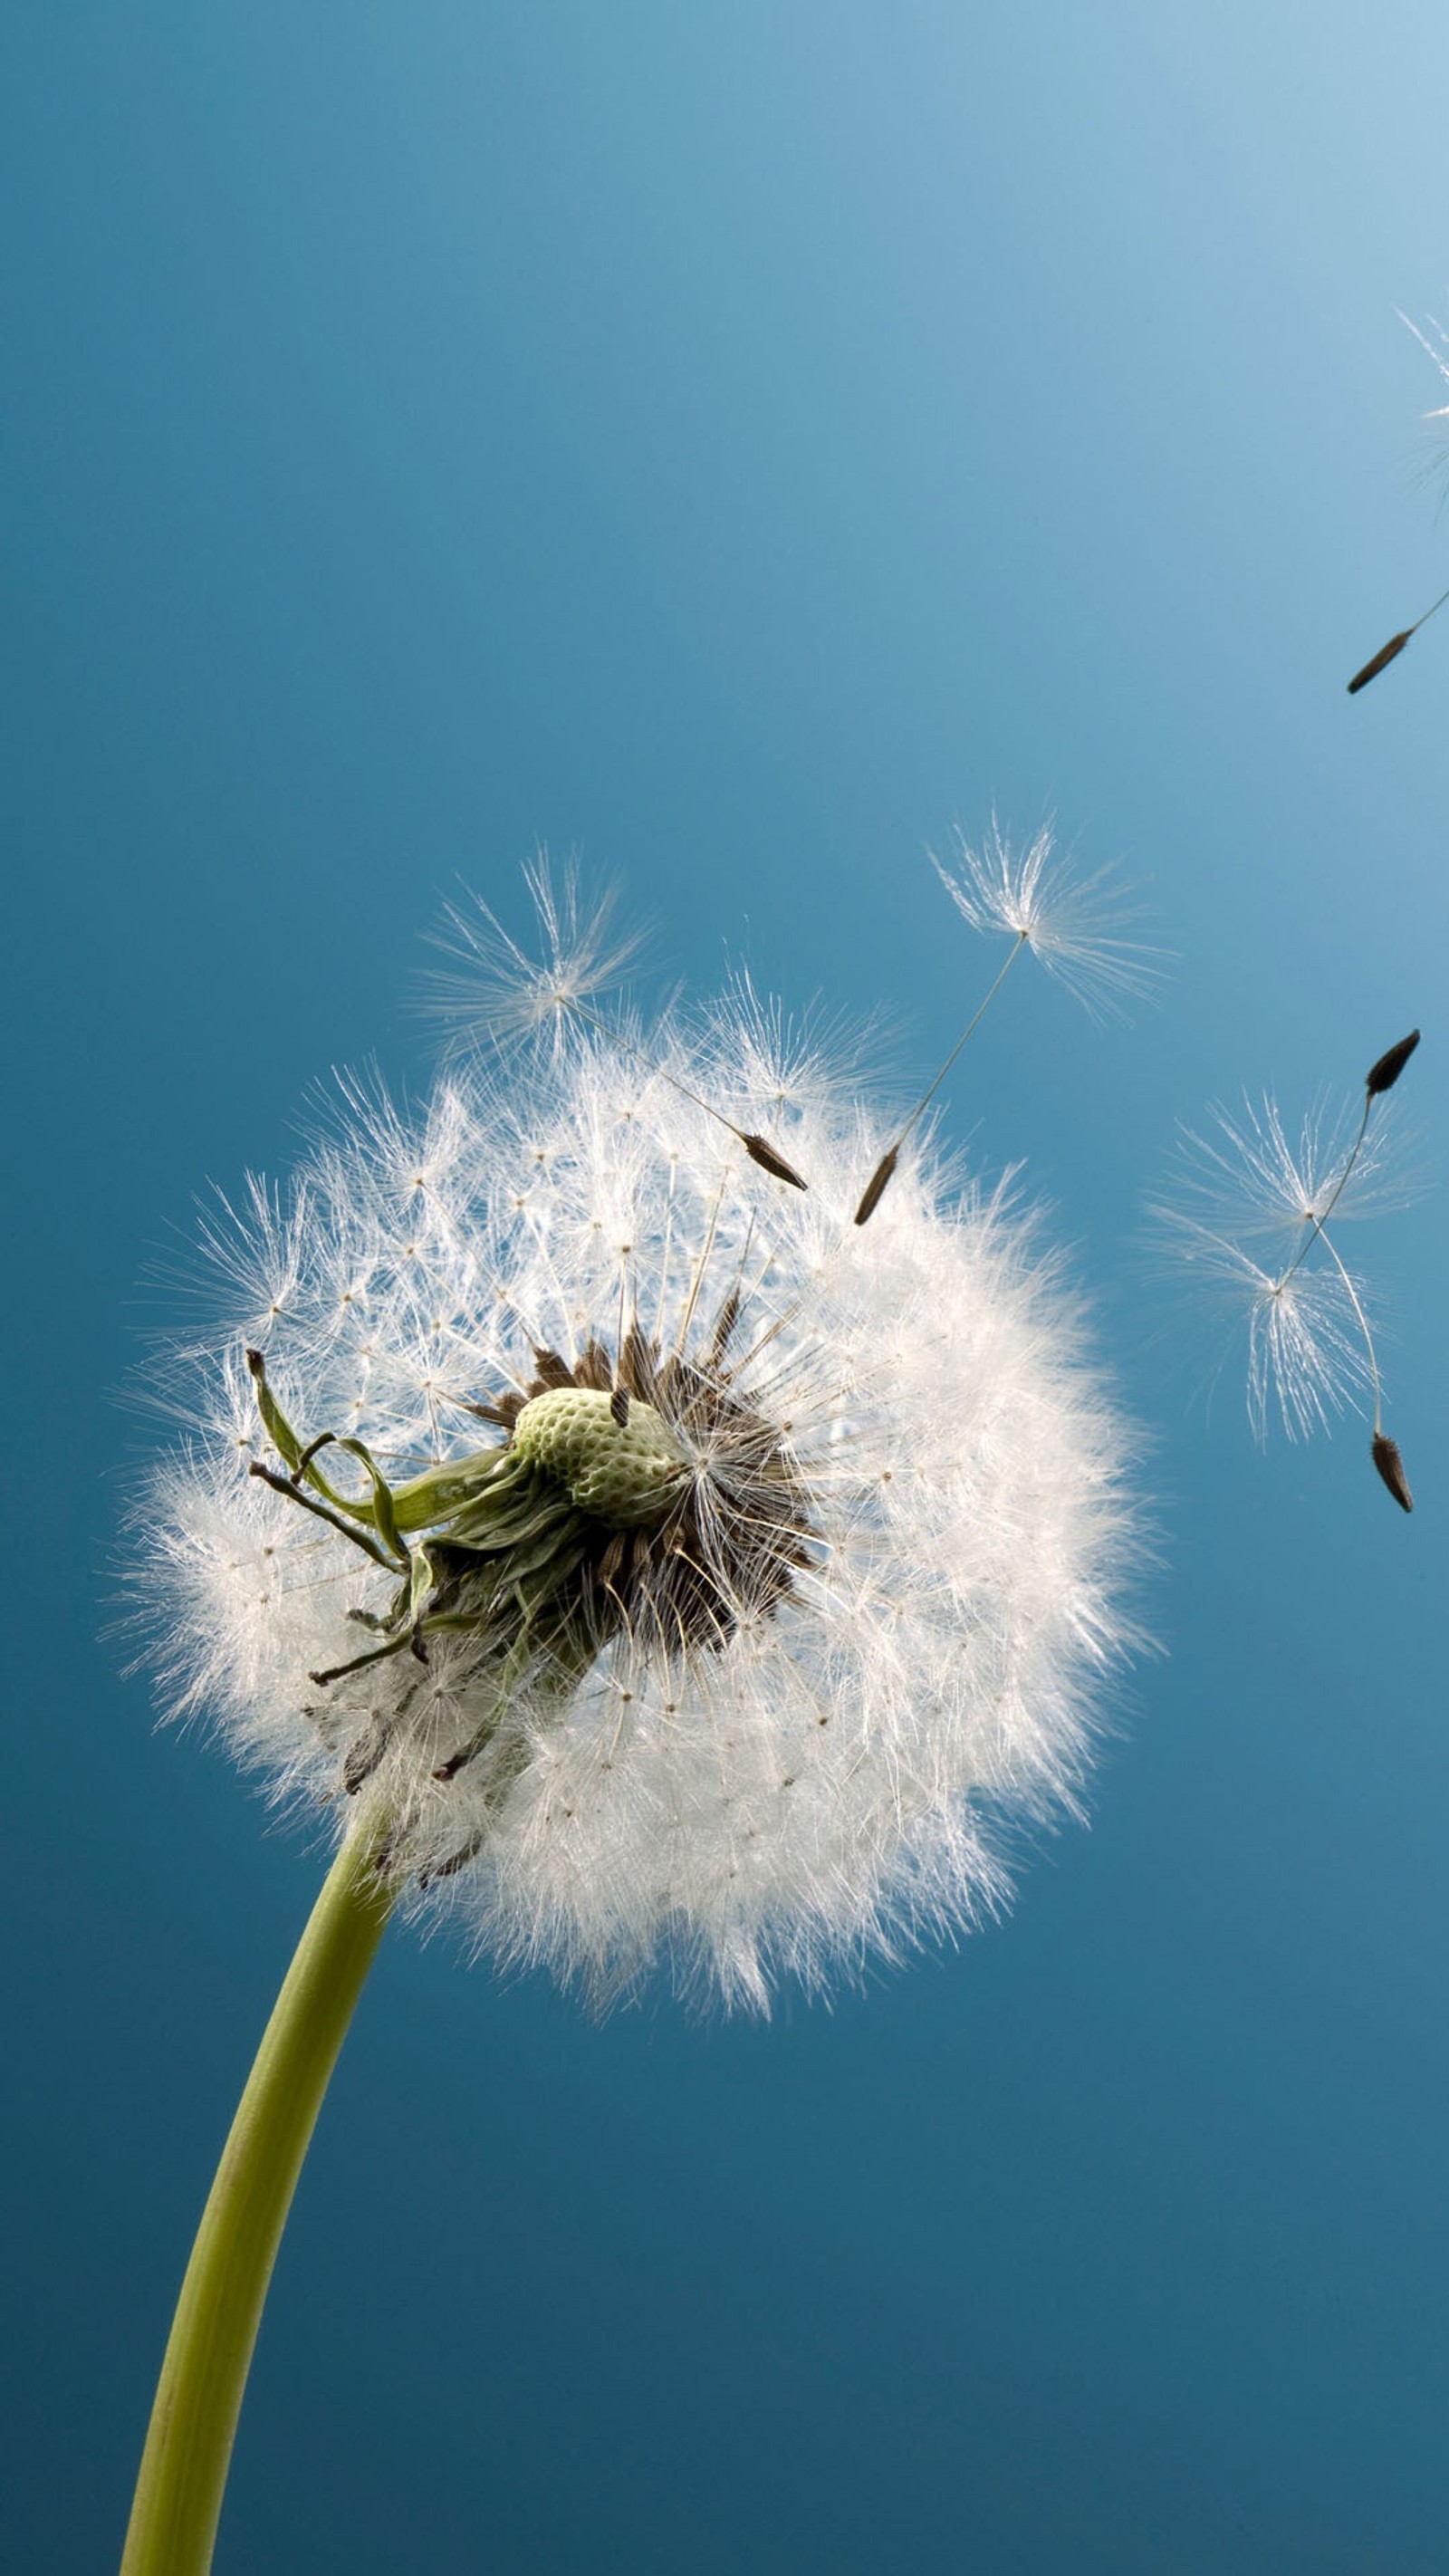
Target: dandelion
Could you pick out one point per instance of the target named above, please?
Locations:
(1252, 1210)
(629, 1559)
(1073, 923)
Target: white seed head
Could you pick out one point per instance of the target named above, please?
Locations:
(793, 1566)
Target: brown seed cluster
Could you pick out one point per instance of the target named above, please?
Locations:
(728, 1547)
(539, 1586)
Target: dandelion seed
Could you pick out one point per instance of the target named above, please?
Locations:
(1390, 652)
(1383, 1075)
(1247, 1177)
(1391, 1467)
(1311, 1348)
(1072, 923)
(1437, 421)
(1075, 924)
(503, 995)
(499, 992)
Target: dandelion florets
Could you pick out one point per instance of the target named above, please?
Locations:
(686, 1573)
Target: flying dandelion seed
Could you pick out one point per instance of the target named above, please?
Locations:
(1437, 423)
(1075, 924)
(1032, 896)
(497, 994)
(1250, 1219)
(494, 988)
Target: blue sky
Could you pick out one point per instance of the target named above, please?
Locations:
(740, 445)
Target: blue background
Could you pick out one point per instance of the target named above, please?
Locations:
(739, 442)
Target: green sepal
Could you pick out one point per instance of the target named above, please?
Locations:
(274, 1421)
(441, 1491)
(380, 1511)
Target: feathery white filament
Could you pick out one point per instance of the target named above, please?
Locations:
(1074, 924)
(1247, 1217)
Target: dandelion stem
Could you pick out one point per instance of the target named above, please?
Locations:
(198, 2398)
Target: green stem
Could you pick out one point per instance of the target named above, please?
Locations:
(198, 2399)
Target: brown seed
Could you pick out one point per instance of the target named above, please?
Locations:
(619, 1406)
(1386, 654)
(504, 1413)
(457, 1860)
(761, 1151)
(725, 1322)
(1391, 1467)
(1383, 1075)
(552, 1370)
(876, 1186)
(636, 1365)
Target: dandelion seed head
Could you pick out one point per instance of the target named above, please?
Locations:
(853, 1630)
(1076, 924)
